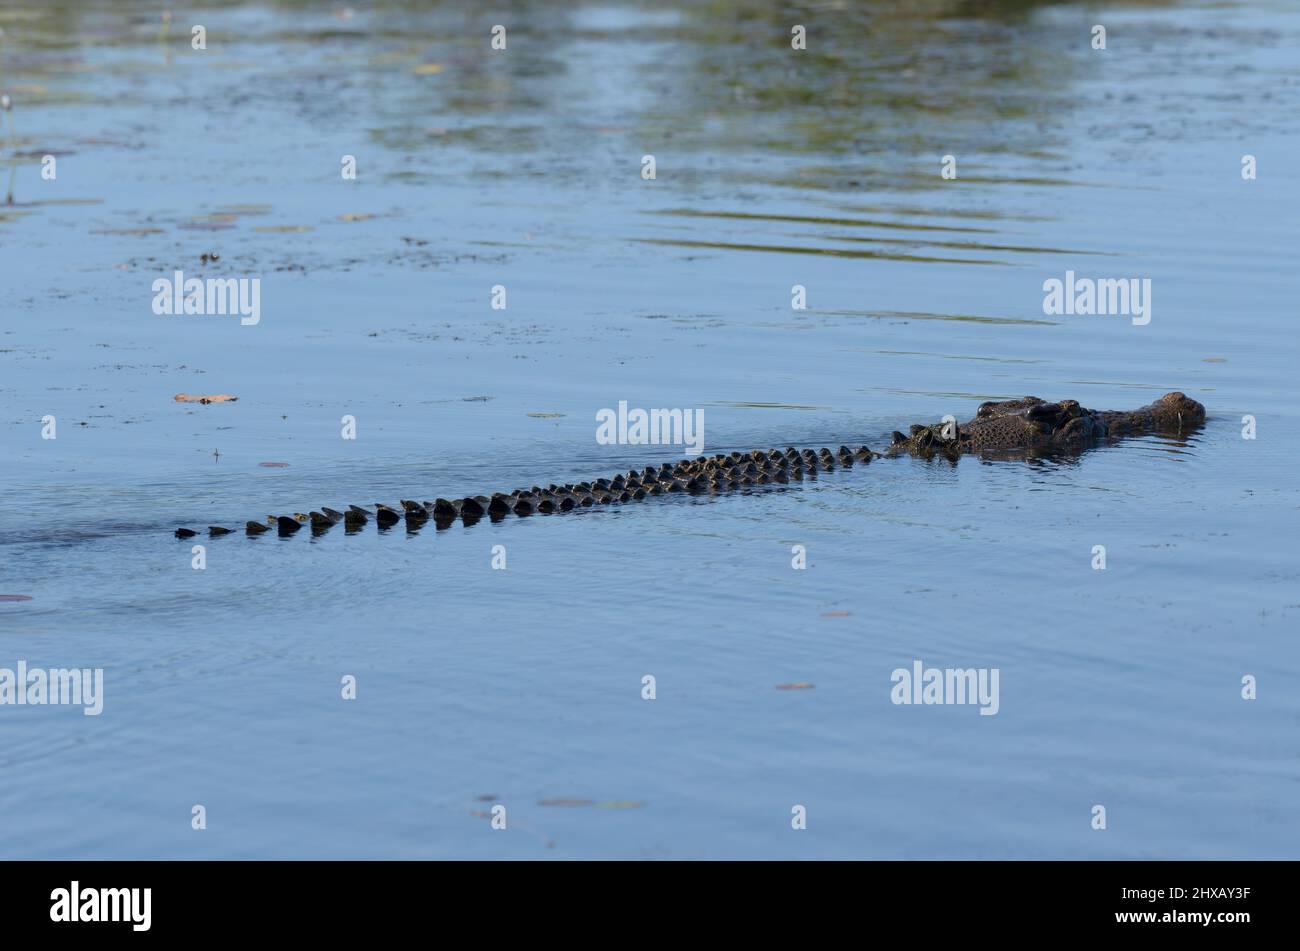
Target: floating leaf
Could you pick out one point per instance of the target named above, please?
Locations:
(216, 398)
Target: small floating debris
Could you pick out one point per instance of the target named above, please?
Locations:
(355, 216)
(127, 231)
(620, 804)
(427, 69)
(282, 229)
(238, 210)
(217, 398)
(274, 465)
(838, 614)
(15, 597)
(209, 223)
(794, 686)
(209, 257)
(59, 202)
(562, 801)
(546, 415)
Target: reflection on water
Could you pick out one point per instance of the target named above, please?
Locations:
(774, 169)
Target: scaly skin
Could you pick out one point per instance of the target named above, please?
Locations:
(1031, 425)
(1024, 426)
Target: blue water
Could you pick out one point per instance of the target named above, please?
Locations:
(523, 687)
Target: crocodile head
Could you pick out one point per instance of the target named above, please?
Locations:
(1173, 413)
(1030, 424)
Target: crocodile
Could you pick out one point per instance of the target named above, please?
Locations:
(1031, 425)
(1025, 427)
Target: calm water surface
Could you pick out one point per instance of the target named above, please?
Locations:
(523, 687)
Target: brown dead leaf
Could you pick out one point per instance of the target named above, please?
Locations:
(217, 398)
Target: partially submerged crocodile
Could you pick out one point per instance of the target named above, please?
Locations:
(1030, 424)
(1026, 426)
